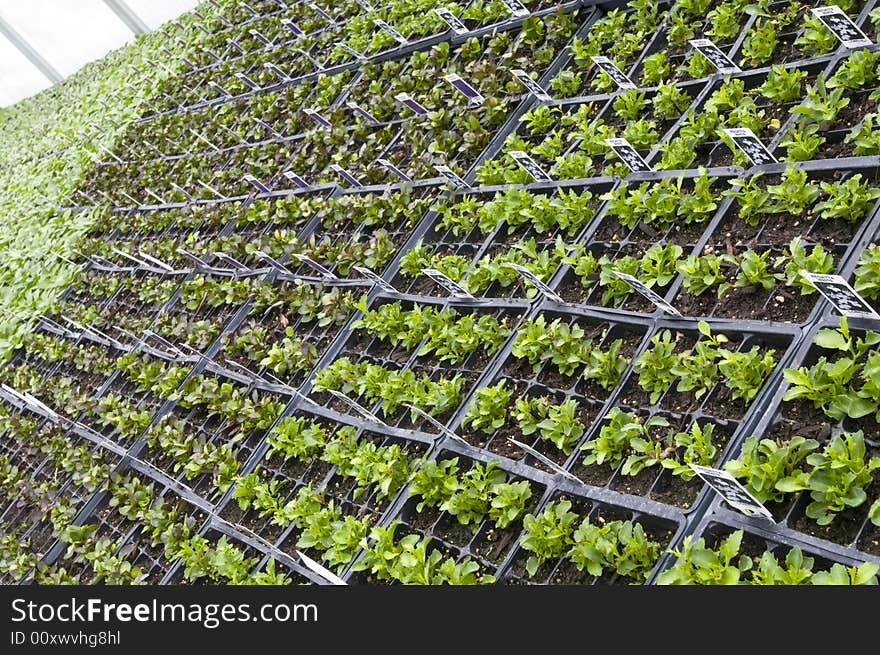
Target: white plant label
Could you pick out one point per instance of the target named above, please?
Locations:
(531, 85)
(842, 26)
(244, 78)
(377, 280)
(293, 27)
(840, 294)
(409, 101)
(308, 261)
(546, 291)
(751, 145)
(453, 287)
(648, 293)
(280, 73)
(713, 53)
(544, 460)
(617, 76)
(515, 7)
(530, 166)
(463, 87)
(315, 116)
(437, 424)
(451, 175)
(452, 20)
(345, 175)
(628, 155)
(354, 53)
(296, 179)
(360, 111)
(260, 37)
(397, 36)
(729, 488)
(391, 167)
(323, 14)
(356, 406)
(255, 182)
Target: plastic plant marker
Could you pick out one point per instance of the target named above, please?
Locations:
(360, 409)
(296, 179)
(378, 281)
(751, 145)
(397, 36)
(316, 116)
(545, 460)
(293, 27)
(840, 294)
(530, 166)
(531, 85)
(729, 488)
(842, 26)
(474, 97)
(222, 91)
(716, 57)
(451, 176)
(391, 167)
(363, 113)
(437, 424)
(533, 279)
(629, 155)
(516, 8)
(256, 183)
(345, 175)
(315, 265)
(407, 100)
(273, 262)
(244, 78)
(648, 293)
(451, 19)
(325, 573)
(447, 283)
(617, 76)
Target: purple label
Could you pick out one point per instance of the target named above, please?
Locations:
(315, 116)
(293, 27)
(255, 182)
(464, 88)
(391, 167)
(345, 175)
(296, 179)
(407, 99)
(362, 112)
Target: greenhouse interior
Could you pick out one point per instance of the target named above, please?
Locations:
(490, 292)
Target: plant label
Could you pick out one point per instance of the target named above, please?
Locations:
(452, 20)
(249, 8)
(840, 294)
(255, 182)
(530, 166)
(453, 287)
(842, 26)
(463, 87)
(515, 7)
(280, 73)
(323, 14)
(272, 262)
(629, 155)
(391, 167)
(354, 53)
(360, 111)
(296, 179)
(315, 116)
(366, 6)
(648, 293)
(356, 406)
(325, 573)
(437, 424)
(751, 145)
(729, 488)
(397, 36)
(293, 27)
(308, 261)
(219, 88)
(260, 37)
(531, 85)
(451, 176)
(244, 78)
(409, 101)
(345, 175)
(227, 259)
(375, 279)
(617, 76)
(544, 460)
(237, 45)
(546, 291)
(715, 56)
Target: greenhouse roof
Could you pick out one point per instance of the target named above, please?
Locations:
(44, 41)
